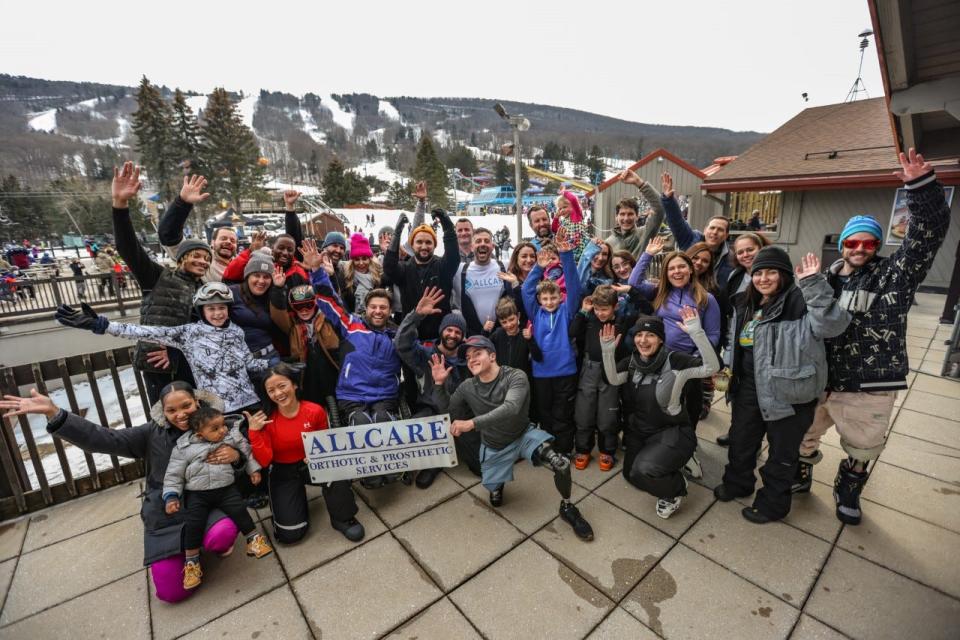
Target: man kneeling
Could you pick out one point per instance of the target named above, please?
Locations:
(496, 402)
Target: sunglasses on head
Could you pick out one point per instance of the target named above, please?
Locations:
(870, 245)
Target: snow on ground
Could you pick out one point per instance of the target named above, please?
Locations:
(483, 154)
(340, 117)
(379, 169)
(442, 137)
(376, 135)
(388, 110)
(44, 121)
(304, 189)
(247, 107)
(84, 105)
(310, 127)
(197, 103)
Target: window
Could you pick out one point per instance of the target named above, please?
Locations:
(755, 211)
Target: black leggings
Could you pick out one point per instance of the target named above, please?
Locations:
(555, 404)
(197, 506)
(653, 464)
(288, 501)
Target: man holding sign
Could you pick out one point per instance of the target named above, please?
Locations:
(496, 403)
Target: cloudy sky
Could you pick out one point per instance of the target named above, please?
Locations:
(737, 64)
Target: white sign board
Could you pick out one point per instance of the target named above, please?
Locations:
(347, 453)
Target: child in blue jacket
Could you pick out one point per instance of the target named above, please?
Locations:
(554, 377)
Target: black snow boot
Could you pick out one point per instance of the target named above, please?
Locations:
(846, 491)
(803, 478)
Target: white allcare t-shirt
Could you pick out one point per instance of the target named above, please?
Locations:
(484, 286)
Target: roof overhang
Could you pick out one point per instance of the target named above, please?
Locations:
(946, 173)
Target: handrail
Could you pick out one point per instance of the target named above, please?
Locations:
(80, 376)
(27, 296)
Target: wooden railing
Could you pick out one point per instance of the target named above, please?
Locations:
(21, 491)
(24, 297)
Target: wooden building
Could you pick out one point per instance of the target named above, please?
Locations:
(687, 181)
(823, 166)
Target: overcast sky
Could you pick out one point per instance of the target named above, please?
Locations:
(735, 64)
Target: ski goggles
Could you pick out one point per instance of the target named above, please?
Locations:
(213, 291)
(302, 297)
(871, 244)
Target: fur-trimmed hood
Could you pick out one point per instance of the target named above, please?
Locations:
(204, 397)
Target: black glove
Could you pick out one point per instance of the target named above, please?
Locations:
(442, 217)
(86, 318)
(401, 223)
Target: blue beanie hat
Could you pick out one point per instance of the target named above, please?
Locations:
(334, 237)
(856, 224)
(453, 320)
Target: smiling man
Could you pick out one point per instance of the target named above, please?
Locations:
(539, 220)
(478, 287)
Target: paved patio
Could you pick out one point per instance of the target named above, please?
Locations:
(441, 563)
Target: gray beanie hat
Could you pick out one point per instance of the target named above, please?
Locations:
(454, 319)
(258, 263)
(187, 246)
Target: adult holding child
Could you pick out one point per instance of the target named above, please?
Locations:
(152, 442)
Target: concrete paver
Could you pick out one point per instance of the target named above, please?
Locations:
(812, 629)
(534, 596)
(848, 592)
(227, 584)
(116, 611)
(929, 428)
(643, 505)
(85, 514)
(922, 457)
(6, 576)
(720, 536)
(689, 596)
(623, 551)
(73, 567)
(919, 496)
(620, 624)
(933, 404)
(275, 615)
(396, 503)
(442, 620)
(11, 538)
(450, 557)
(386, 587)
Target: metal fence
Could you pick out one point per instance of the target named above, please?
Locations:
(26, 483)
(31, 296)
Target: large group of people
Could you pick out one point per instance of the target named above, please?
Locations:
(577, 346)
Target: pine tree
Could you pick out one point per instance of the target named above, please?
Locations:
(460, 157)
(28, 216)
(341, 187)
(501, 174)
(580, 162)
(401, 196)
(185, 145)
(230, 151)
(595, 164)
(429, 168)
(153, 127)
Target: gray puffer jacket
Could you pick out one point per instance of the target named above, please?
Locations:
(188, 467)
(790, 361)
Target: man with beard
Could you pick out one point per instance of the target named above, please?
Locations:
(715, 233)
(464, 230)
(496, 402)
(539, 221)
(627, 235)
(417, 355)
(168, 293)
(477, 287)
(868, 362)
(170, 228)
(424, 270)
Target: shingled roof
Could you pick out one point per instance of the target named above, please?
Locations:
(845, 144)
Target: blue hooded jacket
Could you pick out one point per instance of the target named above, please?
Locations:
(551, 330)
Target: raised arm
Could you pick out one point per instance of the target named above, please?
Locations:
(608, 348)
(419, 212)
(638, 276)
(825, 317)
(682, 232)
(126, 184)
(711, 364)
(652, 225)
(451, 252)
(291, 221)
(391, 259)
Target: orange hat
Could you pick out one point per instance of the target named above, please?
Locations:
(424, 228)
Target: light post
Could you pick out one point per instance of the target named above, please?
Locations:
(518, 124)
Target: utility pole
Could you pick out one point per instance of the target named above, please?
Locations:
(518, 123)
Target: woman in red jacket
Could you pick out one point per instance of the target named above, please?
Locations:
(278, 446)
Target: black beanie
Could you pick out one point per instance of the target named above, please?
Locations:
(653, 324)
(772, 258)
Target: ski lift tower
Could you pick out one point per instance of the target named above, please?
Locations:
(858, 86)
(518, 124)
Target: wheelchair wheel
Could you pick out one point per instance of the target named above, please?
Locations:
(333, 413)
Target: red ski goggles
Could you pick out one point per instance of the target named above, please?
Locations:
(871, 244)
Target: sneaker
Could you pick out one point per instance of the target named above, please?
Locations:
(496, 497)
(666, 508)
(192, 575)
(607, 461)
(581, 461)
(258, 547)
(803, 479)
(692, 468)
(846, 492)
(754, 515)
(571, 515)
(351, 529)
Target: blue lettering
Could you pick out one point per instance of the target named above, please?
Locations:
(353, 442)
(436, 430)
(415, 432)
(316, 447)
(370, 443)
(394, 437)
(332, 437)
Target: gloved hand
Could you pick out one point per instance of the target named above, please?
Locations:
(401, 223)
(442, 217)
(86, 318)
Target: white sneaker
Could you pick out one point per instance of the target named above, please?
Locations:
(692, 467)
(666, 508)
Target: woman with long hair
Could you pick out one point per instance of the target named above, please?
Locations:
(277, 442)
(779, 372)
(152, 442)
(522, 261)
(361, 274)
(251, 308)
(745, 249)
(594, 267)
(704, 270)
